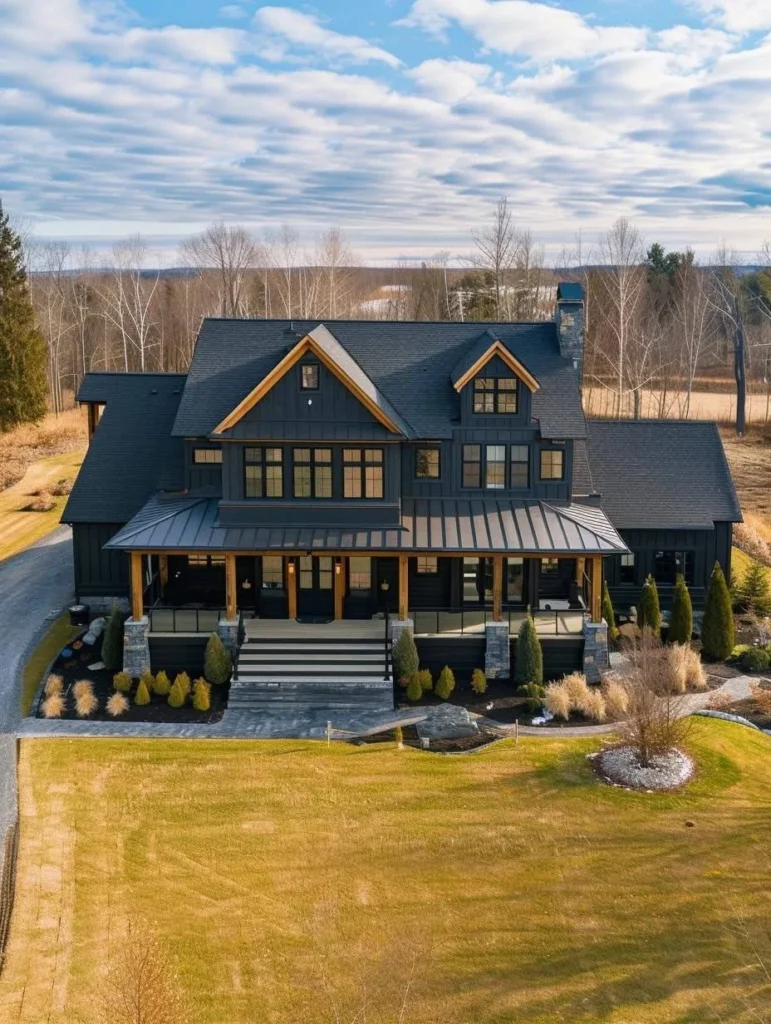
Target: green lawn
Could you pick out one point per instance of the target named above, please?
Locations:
(290, 881)
(19, 528)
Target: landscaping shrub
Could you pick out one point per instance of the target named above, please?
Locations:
(54, 684)
(681, 619)
(148, 679)
(717, 631)
(112, 644)
(529, 656)
(183, 679)
(535, 694)
(162, 684)
(445, 684)
(754, 591)
(117, 705)
(478, 681)
(176, 696)
(756, 659)
(593, 705)
(122, 682)
(608, 613)
(719, 701)
(649, 615)
(557, 700)
(201, 695)
(414, 689)
(53, 706)
(86, 702)
(142, 696)
(217, 664)
(762, 698)
(405, 656)
(425, 679)
(616, 699)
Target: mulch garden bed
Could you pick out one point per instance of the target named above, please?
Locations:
(76, 667)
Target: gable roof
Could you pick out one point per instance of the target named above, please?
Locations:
(331, 353)
(132, 453)
(660, 474)
(480, 354)
(409, 363)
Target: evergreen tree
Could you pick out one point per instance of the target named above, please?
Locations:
(414, 689)
(529, 660)
(650, 611)
(717, 631)
(22, 346)
(142, 696)
(176, 696)
(217, 664)
(201, 695)
(112, 643)
(754, 591)
(607, 612)
(162, 684)
(445, 684)
(681, 620)
(405, 656)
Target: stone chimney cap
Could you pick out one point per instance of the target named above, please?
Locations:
(570, 291)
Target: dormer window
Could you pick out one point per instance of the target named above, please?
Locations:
(309, 376)
(495, 395)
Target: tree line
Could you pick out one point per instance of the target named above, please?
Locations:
(658, 323)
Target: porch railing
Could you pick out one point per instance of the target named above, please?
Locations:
(471, 622)
(185, 620)
(387, 644)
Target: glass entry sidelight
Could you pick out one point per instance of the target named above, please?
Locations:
(315, 586)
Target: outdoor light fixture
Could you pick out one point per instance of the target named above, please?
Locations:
(290, 567)
(338, 567)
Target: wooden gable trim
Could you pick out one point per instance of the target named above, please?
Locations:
(499, 349)
(305, 345)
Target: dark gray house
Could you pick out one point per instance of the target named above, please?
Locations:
(440, 475)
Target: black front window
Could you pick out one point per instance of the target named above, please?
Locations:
(520, 465)
(207, 456)
(272, 572)
(427, 464)
(495, 395)
(263, 473)
(309, 377)
(312, 472)
(670, 564)
(515, 580)
(472, 465)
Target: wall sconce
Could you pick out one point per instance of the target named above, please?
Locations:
(338, 567)
(290, 566)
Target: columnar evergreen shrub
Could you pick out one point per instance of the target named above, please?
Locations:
(405, 655)
(607, 612)
(681, 620)
(535, 694)
(478, 681)
(445, 684)
(122, 682)
(142, 696)
(112, 644)
(176, 695)
(754, 591)
(217, 664)
(425, 679)
(201, 695)
(162, 684)
(414, 689)
(717, 631)
(649, 616)
(529, 658)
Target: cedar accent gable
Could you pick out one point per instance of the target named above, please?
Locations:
(497, 348)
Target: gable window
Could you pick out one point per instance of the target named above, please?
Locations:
(263, 473)
(552, 464)
(272, 572)
(312, 472)
(427, 566)
(495, 395)
(671, 563)
(362, 472)
(427, 464)
(309, 377)
(628, 570)
(520, 465)
(495, 467)
(207, 456)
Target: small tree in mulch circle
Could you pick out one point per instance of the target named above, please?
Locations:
(414, 689)
(201, 695)
(608, 614)
(649, 616)
(478, 681)
(681, 619)
(112, 644)
(218, 664)
(142, 696)
(405, 656)
(529, 655)
(717, 630)
(445, 684)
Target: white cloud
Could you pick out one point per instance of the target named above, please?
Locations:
(524, 28)
(194, 45)
(234, 11)
(450, 80)
(736, 15)
(305, 30)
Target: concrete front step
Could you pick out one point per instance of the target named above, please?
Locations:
(278, 692)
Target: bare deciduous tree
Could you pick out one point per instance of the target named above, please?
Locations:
(142, 986)
(498, 250)
(223, 256)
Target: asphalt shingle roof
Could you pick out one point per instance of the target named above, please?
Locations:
(659, 474)
(411, 364)
(132, 453)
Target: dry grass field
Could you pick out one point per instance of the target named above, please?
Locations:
(704, 405)
(290, 882)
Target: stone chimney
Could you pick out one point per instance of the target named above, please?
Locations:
(570, 321)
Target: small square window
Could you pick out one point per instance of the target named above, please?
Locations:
(309, 377)
(427, 464)
(550, 566)
(427, 566)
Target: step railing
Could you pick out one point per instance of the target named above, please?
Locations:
(240, 638)
(387, 645)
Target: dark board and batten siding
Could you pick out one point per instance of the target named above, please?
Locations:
(98, 573)
(464, 654)
(175, 654)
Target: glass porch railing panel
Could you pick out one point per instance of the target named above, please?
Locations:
(426, 622)
(162, 620)
(474, 621)
(451, 622)
(207, 620)
(186, 620)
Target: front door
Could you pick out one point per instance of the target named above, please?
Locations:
(315, 587)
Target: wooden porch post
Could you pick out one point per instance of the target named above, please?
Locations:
(596, 605)
(137, 589)
(404, 598)
(230, 587)
(497, 588)
(291, 587)
(340, 564)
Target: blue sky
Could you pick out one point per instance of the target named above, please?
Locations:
(400, 122)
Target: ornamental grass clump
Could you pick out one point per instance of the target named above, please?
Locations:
(445, 684)
(616, 699)
(593, 705)
(117, 705)
(122, 681)
(86, 702)
(478, 681)
(201, 695)
(142, 696)
(54, 684)
(53, 706)
(162, 685)
(686, 670)
(218, 664)
(557, 701)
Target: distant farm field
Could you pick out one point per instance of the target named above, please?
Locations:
(704, 405)
(292, 883)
